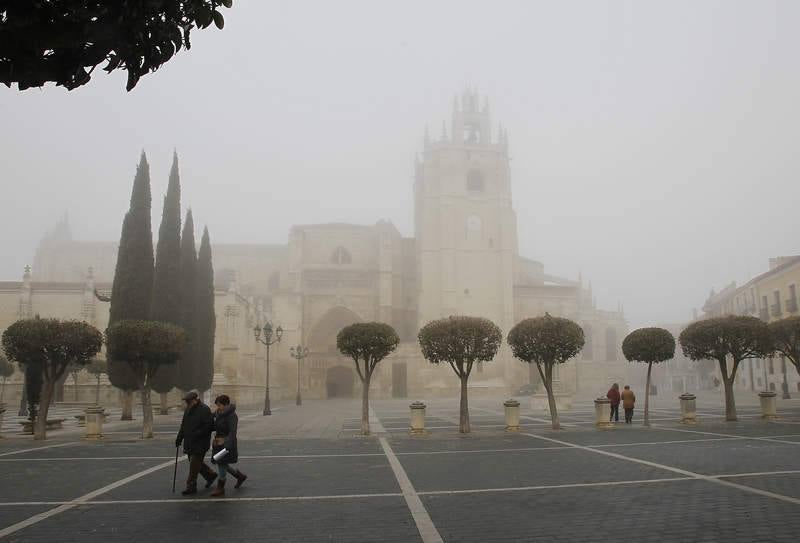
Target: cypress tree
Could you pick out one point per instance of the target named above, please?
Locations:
(165, 306)
(133, 278)
(187, 295)
(206, 321)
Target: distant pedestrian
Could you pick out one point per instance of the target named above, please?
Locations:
(628, 401)
(195, 434)
(613, 395)
(226, 423)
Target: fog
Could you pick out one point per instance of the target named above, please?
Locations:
(654, 145)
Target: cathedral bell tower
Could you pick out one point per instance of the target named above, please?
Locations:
(466, 229)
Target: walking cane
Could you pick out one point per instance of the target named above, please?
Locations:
(175, 472)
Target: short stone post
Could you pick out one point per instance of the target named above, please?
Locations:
(602, 413)
(417, 418)
(512, 415)
(768, 408)
(94, 422)
(2, 410)
(688, 408)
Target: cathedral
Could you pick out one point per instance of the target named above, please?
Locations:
(462, 260)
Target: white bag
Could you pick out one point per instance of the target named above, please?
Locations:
(221, 454)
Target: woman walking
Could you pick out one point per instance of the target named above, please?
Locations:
(614, 397)
(226, 423)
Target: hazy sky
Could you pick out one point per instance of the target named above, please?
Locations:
(654, 144)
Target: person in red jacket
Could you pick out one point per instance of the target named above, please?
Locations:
(613, 395)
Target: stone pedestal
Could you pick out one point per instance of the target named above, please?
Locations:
(602, 413)
(768, 408)
(688, 408)
(417, 418)
(2, 410)
(512, 415)
(94, 422)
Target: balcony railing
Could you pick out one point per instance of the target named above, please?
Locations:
(776, 310)
(763, 314)
(791, 305)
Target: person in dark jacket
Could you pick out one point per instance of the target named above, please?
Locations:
(195, 434)
(614, 397)
(226, 423)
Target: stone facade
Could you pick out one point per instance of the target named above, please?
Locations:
(462, 260)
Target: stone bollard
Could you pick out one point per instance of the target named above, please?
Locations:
(602, 413)
(94, 422)
(768, 408)
(688, 408)
(417, 418)
(2, 410)
(512, 415)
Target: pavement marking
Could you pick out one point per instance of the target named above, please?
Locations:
(728, 435)
(550, 487)
(526, 417)
(684, 472)
(81, 500)
(422, 519)
(375, 425)
(39, 448)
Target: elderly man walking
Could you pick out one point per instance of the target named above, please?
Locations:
(195, 434)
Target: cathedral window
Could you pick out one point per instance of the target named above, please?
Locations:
(475, 181)
(341, 256)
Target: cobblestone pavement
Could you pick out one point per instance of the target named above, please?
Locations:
(313, 478)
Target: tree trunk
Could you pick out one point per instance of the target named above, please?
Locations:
(3, 390)
(730, 403)
(164, 408)
(647, 396)
(97, 392)
(551, 401)
(463, 417)
(127, 405)
(23, 401)
(147, 413)
(365, 406)
(40, 426)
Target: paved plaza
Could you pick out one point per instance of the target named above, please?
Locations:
(313, 478)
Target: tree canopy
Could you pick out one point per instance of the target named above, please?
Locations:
(144, 345)
(205, 320)
(546, 340)
(6, 367)
(367, 343)
(459, 339)
(650, 345)
(63, 41)
(785, 336)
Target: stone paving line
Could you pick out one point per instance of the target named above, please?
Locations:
(727, 437)
(680, 471)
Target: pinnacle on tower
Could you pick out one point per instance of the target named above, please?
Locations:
(444, 131)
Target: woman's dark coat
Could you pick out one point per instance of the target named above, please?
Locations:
(195, 429)
(225, 425)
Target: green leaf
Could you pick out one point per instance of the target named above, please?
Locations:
(219, 20)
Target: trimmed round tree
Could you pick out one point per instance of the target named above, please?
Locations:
(6, 371)
(785, 335)
(461, 342)
(367, 343)
(649, 345)
(53, 346)
(720, 338)
(144, 346)
(546, 341)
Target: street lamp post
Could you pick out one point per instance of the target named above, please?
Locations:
(299, 353)
(268, 341)
(785, 384)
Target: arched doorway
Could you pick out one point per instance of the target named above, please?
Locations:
(339, 382)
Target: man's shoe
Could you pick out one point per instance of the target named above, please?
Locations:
(210, 480)
(189, 491)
